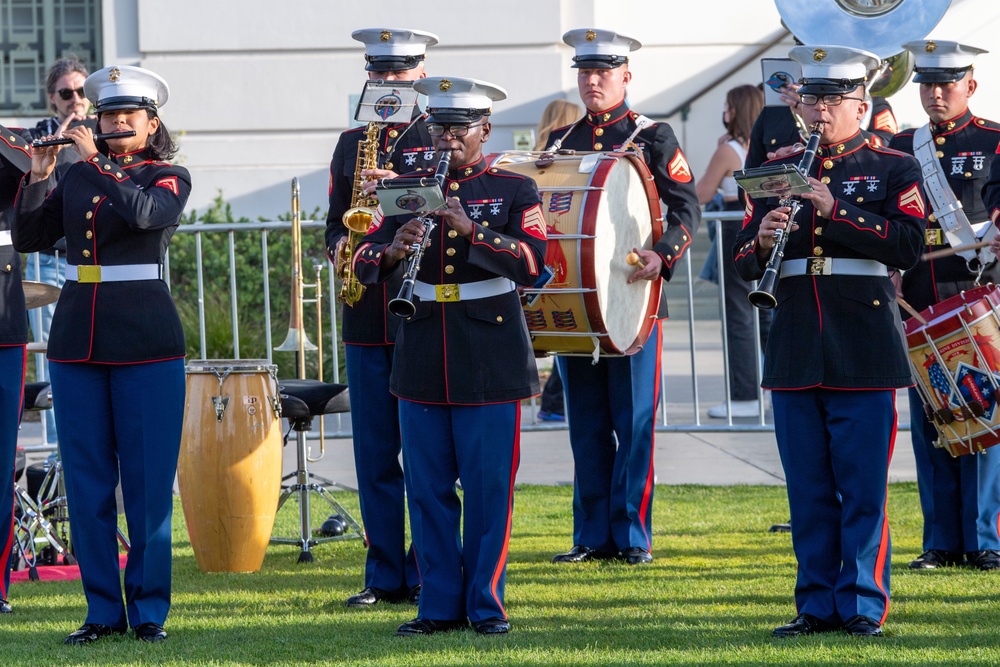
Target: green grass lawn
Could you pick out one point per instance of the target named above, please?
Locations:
(719, 584)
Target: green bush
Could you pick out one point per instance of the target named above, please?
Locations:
(249, 290)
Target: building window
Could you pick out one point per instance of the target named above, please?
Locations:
(33, 34)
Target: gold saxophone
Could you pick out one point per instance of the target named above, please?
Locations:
(358, 218)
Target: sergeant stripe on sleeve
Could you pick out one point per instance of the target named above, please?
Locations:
(170, 183)
(533, 222)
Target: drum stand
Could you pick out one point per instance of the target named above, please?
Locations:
(46, 519)
(301, 400)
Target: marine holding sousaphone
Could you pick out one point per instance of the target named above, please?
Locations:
(834, 404)
(960, 497)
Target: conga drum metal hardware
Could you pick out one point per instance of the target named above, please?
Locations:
(597, 207)
(229, 469)
(955, 360)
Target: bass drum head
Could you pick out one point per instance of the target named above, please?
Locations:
(623, 222)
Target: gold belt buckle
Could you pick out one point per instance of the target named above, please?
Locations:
(88, 274)
(818, 266)
(934, 236)
(447, 293)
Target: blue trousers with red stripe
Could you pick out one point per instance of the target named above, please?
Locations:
(612, 408)
(12, 363)
(125, 418)
(375, 415)
(835, 448)
(959, 496)
(462, 572)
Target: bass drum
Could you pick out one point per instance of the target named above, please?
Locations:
(598, 207)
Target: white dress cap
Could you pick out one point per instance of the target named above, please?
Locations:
(393, 49)
(940, 61)
(600, 49)
(457, 100)
(126, 87)
(833, 69)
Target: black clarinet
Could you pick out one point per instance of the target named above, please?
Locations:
(38, 143)
(402, 306)
(763, 296)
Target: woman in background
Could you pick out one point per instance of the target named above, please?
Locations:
(740, 110)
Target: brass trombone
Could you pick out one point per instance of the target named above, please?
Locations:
(297, 340)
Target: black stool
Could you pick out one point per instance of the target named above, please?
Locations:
(301, 401)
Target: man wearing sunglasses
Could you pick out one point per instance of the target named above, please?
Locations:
(369, 332)
(64, 86)
(833, 391)
(959, 496)
(611, 404)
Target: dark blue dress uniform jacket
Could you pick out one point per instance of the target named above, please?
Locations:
(15, 159)
(113, 210)
(403, 148)
(607, 131)
(776, 127)
(842, 331)
(966, 146)
(472, 352)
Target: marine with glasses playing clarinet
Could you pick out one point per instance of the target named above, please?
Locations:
(959, 496)
(463, 360)
(833, 394)
(368, 331)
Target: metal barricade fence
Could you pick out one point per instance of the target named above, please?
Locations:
(693, 346)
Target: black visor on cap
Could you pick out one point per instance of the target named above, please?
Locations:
(939, 74)
(599, 61)
(119, 103)
(392, 63)
(828, 86)
(454, 115)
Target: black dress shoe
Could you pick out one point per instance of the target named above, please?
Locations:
(414, 596)
(636, 556)
(372, 596)
(581, 554)
(804, 624)
(91, 632)
(150, 632)
(986, 560)
(5, 607)
(425, 626)
(862, 626)
(492, 626)
(935, 558)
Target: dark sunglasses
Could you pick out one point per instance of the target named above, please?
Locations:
(67, 93)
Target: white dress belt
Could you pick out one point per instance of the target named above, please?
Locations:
(463, 291)
(5, 238)
(112, 274)
(828, 266)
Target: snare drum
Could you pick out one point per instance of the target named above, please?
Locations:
(598, 206)
(955, 358)
(229, 470)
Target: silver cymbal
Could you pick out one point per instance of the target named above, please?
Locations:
(37, 295)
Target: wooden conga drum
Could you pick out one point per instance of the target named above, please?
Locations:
(229, 470)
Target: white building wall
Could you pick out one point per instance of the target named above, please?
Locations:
(260, 90)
